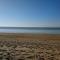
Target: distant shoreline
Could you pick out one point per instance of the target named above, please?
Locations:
(29, 36)
(10, 33)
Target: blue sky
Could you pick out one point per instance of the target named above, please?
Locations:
(30, 13)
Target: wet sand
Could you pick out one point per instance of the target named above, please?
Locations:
(29, 46)
(39, 36)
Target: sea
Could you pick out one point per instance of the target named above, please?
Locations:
(40, 30)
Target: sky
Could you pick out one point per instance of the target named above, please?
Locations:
(29, 13)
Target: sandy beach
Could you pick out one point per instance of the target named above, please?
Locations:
(25, 46)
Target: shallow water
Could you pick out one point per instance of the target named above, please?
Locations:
(29, 30)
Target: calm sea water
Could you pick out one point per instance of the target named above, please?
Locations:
(29, 30)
